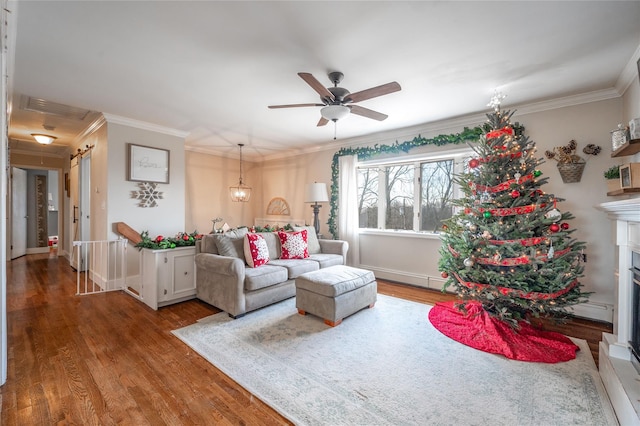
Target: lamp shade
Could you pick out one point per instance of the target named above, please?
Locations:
(316, 193)
(240, 193)
(334, 112)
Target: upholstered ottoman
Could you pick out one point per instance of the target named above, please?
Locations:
(335, 292)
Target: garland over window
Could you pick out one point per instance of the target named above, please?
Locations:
(467, 135)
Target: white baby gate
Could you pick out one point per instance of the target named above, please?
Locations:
(101, 266)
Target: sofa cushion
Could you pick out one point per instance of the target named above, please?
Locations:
(208, 244)
(273, 243)
(326, 259)
(296, 267)
(231, 243)
(256, 251)
(265, 276)
(312, 238)
(294, 245)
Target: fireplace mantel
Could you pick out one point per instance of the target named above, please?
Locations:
(625, 210)
(616, 369)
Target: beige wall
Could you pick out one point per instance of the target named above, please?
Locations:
(208, 178)
(631, 109)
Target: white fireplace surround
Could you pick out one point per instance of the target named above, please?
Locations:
(620, 377)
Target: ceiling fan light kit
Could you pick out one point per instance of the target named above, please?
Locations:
(334, 112)
(43, 139)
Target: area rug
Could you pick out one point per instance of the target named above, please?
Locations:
(389, 366)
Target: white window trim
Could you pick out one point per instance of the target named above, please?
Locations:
(457, 155)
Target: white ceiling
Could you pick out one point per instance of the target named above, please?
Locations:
(211, 68)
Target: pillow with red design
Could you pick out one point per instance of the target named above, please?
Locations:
(294, 245)
(256, 251)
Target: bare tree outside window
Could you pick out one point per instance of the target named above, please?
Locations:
(368, 197)
(399, 193)
(436, 191)
(396, 193)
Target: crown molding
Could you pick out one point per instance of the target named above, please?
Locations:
(450, 125)
(568, 101)
(90, 129)
(629, 73)
(143, 125)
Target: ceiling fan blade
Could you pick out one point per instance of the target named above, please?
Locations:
(384, 89)
(366, 112)
(322, 121)
(316, 85)
(294, 105)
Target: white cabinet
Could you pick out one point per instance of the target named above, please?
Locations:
(167, 276)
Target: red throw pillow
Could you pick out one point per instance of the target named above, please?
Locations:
(256, 251)
(294, 245)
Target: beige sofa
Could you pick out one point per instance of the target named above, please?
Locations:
(224, 280)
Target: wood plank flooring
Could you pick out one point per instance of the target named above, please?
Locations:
(109, 359)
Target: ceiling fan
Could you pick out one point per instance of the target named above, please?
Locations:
(338, 102)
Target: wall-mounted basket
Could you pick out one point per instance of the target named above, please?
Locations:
(571, 172)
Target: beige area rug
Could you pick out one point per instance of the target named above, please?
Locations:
(389, 366)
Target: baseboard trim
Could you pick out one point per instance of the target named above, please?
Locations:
(590, 310)
(595, 311)
(418, 280)
(37, 250)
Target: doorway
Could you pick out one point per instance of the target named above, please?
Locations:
(35, 202)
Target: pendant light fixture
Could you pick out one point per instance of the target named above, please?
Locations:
(241, 192)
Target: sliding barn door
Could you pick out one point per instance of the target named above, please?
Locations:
(79, 179)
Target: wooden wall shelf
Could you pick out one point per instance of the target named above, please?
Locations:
(622, 191)
(629, 148)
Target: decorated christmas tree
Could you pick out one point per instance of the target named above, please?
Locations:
(508, 251)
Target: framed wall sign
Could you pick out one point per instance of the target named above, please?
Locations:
(148, 164)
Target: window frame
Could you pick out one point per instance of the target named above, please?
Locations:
(460, 159)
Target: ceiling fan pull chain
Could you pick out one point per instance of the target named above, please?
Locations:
(335, 129)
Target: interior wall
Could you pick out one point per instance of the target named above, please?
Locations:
(208, 178)
(286, 178)
(631, 109)
(112, 199)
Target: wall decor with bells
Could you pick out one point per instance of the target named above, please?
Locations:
(147, 194)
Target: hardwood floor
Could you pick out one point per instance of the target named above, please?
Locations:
(109, 359)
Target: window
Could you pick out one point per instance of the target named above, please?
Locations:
(436, 190)
(389, 194)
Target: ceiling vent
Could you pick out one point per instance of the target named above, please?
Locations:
(46, 107)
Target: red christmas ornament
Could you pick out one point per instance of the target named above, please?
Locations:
(444, 274)
(515, 193)
(554, 227)
(564, 225)
(473, 163)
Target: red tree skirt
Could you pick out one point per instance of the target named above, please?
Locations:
(481, 331)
